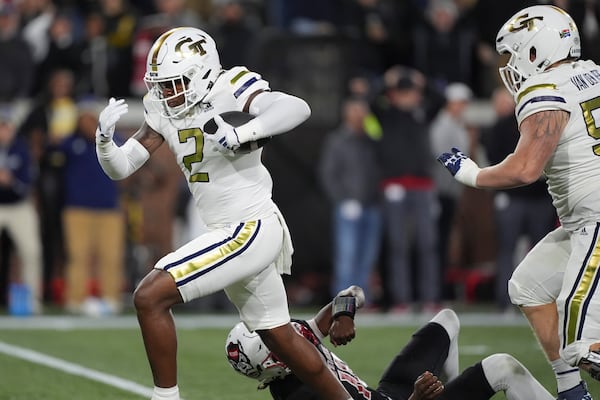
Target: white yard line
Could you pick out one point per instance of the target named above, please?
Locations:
(74, 369)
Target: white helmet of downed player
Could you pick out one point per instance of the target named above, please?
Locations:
(249, 356)
(181, 68)
(536, 37)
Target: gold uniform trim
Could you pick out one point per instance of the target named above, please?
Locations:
(159, 42)
(238, 76)
(215, 255)
(582, 292)
(530, 89)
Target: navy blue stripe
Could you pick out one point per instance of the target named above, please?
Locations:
(245, 86)
(542, 98)
(568, 372)
(586, 303)
(205, 250)
(223, 261)
(574, 288)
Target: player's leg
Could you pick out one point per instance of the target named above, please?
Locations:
(153, 299)
(427, 350)
(203, 266)
(534, 287)
(262, 303)
(304, 360)
(496, 373)
(579, 302)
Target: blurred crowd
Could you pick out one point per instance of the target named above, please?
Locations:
(415, 67)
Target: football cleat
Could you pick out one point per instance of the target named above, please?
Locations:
(578, 392)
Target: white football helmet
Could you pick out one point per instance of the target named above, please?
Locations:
(536, 37)
(249, 356)
(184, 56)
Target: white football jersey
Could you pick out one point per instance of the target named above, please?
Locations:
(573, 172)
(226, 189)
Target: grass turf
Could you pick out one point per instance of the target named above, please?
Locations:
(203, 370)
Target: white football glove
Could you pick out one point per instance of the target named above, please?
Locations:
(108, 119)
(225, 139)
(462, 168)
(356, 292)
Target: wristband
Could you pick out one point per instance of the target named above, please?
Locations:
(343, 306)
(250, 131)
(467, 174)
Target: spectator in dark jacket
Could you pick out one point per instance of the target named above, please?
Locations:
(408, 188)
(349, 173)
(17, 66)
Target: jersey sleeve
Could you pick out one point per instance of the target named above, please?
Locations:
(242, 82)
(538, 96)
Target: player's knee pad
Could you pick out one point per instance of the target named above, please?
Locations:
(496, 368)
(516, 295)
(523, 292)
(449, 321)
(499, 362)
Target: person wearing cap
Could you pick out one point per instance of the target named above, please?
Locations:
(408, 192)
(447, 127)
(18, 215)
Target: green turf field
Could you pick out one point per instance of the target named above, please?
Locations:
(117, 353)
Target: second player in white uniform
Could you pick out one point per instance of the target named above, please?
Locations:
(558, 110)
(247, 245)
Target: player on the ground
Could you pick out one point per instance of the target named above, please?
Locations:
(247, 245)
(411, 375)
(557, 102)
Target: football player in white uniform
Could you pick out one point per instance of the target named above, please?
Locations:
(411, 375)
(247, 246)
(558, 110)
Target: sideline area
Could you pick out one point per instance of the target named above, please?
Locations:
(62, 322)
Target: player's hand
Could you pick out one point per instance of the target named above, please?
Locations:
(225, 139)
(342, 330)
(427, 387)
(108, 119)
(462, 168)
(356, 292)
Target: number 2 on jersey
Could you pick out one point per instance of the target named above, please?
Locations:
(197, 136)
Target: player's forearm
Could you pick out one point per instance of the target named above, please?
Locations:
(120, 162)
(276, 113)
(509, 173)
(324, 319)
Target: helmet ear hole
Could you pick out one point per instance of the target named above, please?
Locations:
(532, 54)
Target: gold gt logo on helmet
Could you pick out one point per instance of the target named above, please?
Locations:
(191, 49)
(523, 22)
